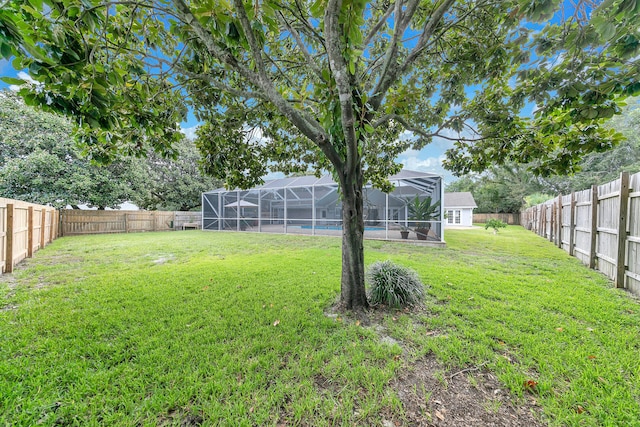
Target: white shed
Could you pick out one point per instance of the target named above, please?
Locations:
(459, 209)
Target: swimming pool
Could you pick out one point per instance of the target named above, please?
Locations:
(334, 227)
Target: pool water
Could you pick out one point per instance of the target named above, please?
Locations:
(336, 227)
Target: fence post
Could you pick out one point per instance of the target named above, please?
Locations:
(126, 223)
(8, 265)
(572, 224)
(553, 223)
(55, 218)
(559, 222)
(43, 220)
(622, 230)
(541, 220)
(594, 226)
(51, 225)
(30, 231)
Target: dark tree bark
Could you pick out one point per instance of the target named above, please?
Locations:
(352, 287)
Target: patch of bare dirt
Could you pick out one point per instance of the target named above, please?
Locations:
(180, 418)
(11, 283)
(468, 397)
(433, 396)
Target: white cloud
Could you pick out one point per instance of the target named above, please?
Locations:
(429, 164)
(429, 158)
(24, 76)
(273, 175)
(256, 137)
(189, 133)
(406, 135)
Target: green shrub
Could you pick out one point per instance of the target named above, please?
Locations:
(393, 285)
(495, 224)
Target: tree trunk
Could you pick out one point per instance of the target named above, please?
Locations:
(353, 295)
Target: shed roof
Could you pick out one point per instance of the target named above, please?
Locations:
(459, 200)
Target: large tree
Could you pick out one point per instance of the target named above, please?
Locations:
(40, 162)
(330, 83)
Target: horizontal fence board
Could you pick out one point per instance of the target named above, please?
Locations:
(609, 196)
(583, 252)
(607, 230)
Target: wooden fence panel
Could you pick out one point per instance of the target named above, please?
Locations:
(547, 214)
(191, 217)
(607, 227)
(599, 226)
(78, 222)
(566, 223)
(36, 221)
(509, 218)
(582, 234)
(633, 238)
(21, 231)
(3, 237)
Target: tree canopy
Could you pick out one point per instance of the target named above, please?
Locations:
(331, 83)
(40, 162)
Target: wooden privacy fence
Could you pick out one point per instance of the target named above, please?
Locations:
(599, 226)
(24, 228)
(509, 218)
(75, 222)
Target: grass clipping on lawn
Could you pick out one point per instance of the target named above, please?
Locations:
(204, 328)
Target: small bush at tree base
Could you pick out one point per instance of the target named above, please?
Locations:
(393, 285)
(495, 224)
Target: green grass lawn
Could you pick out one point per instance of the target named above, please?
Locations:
(229, 329)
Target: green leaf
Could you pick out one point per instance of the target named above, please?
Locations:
(607, 30)
(317, 8)
(5, 50)
(36, 4)
(12, 80)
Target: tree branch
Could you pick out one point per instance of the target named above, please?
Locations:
(301, 46)
(417, 130)
(379, 24)
(256, 51)
(306, 124)
(402, 20)
(392, 70)
(340, 72)
(221, 86)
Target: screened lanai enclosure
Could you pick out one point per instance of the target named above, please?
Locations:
(311, 205)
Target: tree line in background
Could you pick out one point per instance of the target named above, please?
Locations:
(41, 162)
(510, 187)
